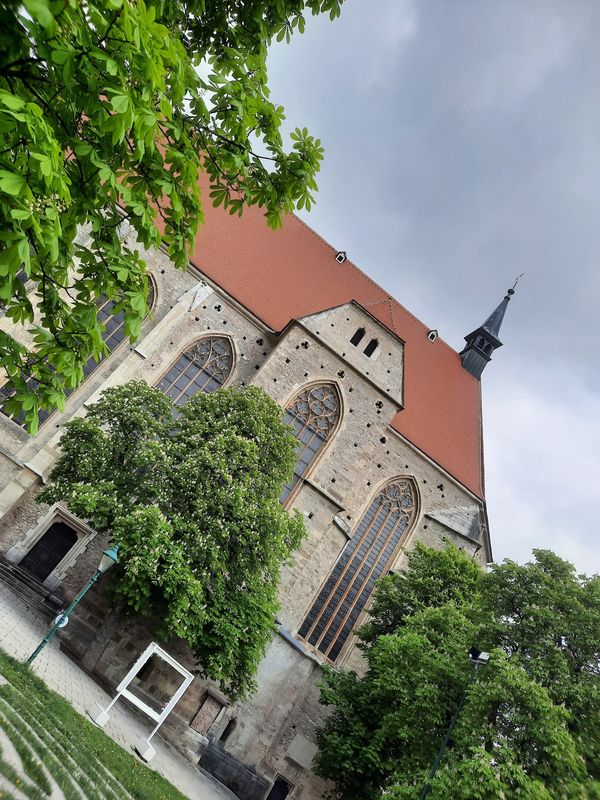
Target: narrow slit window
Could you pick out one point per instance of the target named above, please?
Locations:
(366, 557)
(229, 729)
(371, 347)
(358, 335)
(313, 415)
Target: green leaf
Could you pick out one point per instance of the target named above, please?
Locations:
(39, 11)
(44, 162)
(11, 101)
(120, 103)
(34, 109)
(61, 56)
(10, 259)
(11, 182)
(82, 148)
(166, 108)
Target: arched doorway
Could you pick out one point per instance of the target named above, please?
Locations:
(49, 551)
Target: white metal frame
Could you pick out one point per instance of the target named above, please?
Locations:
(144, 748)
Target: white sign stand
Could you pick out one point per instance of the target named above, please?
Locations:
(101, 716)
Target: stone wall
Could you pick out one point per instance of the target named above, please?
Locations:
(272, 732)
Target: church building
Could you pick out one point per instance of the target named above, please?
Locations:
(389, 425)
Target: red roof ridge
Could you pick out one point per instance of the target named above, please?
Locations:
(391, 305)
(387, 300)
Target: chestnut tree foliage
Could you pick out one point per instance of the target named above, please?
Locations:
(109, 109)
(192, 501)
(529, 727)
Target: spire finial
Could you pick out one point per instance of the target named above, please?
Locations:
(482, 342)
(510, 292)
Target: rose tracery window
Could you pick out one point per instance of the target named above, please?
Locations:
(365, 558)
(313, 414)
(204, 367)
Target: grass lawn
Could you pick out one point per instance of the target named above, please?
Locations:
(45, 746)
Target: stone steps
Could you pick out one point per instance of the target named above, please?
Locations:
(29, 590)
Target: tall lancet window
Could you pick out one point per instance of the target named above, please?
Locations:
(366, 557)
(203, 368)
(112, 336)
(313, 414)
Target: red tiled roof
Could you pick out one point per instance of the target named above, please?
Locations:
(290, 273)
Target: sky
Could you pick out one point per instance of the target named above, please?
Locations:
(462, 148)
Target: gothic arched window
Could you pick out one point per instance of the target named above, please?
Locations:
(203, 368)
(313, 414)
(114, 328)
(366, 557)
(112, 336)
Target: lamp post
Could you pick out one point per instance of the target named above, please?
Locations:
(478, 658)
(109, 558)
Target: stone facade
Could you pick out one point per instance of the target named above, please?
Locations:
(272, 733)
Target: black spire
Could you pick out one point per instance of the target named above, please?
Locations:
(482, 342)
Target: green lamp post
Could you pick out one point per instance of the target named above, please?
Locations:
(477, 658)
(109, 558)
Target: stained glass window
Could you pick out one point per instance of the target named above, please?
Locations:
(365, 558)
(204, 367)
(313, 414)
(113, 335)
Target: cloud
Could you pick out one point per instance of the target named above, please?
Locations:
(393, 28)
(497, 57)
(542, 442)
(463, 148)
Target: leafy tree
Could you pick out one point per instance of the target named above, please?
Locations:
(528, 728)
(547, 619)
(109, 109)
(434, 578)
(193, 503)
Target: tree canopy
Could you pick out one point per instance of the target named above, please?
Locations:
(529, 726)
(192, 501)
(109, 109)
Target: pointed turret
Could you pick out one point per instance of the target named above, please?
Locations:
(482, 342)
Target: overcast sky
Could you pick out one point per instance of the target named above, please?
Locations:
(463, 148)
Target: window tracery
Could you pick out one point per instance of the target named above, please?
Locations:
(366, 557)
(204, 367)
(313, 415)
